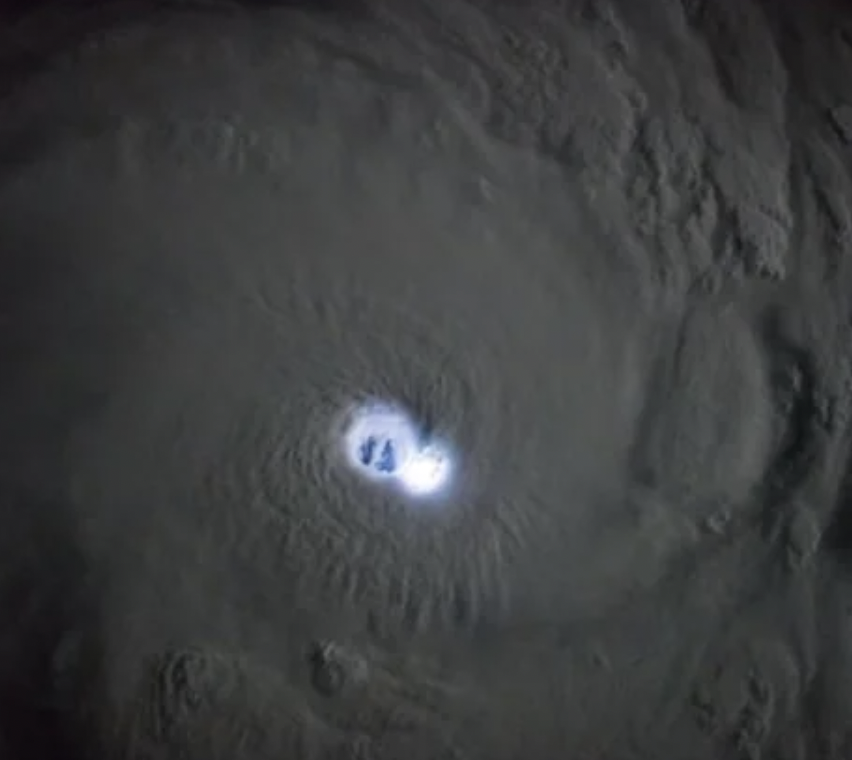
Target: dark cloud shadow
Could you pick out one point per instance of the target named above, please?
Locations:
(47, 634)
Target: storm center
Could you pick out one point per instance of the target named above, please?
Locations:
(384, 444)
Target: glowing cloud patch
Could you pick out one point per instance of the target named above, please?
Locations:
(427, 471)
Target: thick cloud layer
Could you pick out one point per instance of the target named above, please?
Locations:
(222, 230)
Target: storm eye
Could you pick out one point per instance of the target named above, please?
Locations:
(383, 444)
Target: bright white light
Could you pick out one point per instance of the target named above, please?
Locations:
(382, 443)
(426, 472)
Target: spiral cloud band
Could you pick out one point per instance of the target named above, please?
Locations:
(346, 240)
